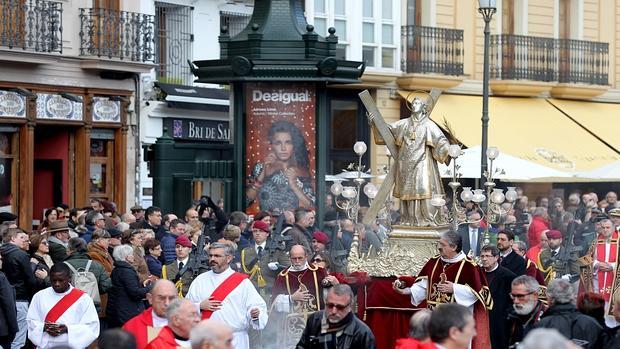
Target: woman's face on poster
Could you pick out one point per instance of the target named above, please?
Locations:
(282, 146)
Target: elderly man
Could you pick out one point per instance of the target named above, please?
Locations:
(62, 315)
(451, 277)
(211, 334)
(147, 325)
(336, 326)
(564, 316)
(182, 316)
(191, 215)
(58, 240)
(526, 308)
(452, 326)
(228, 296)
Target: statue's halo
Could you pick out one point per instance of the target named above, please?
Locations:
(409, 101)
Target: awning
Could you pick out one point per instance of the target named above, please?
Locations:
(529, 128)
(599, 118)
(191, 96)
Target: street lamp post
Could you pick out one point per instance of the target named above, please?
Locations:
(486, 8)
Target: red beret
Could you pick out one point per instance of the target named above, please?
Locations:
(260, 225)
(554, 234)
(183, 241)
(321, 237)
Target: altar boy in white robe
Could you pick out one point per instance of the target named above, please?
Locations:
(61, 314)
(228, 296)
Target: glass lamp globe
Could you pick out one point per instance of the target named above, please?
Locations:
(349, 192)
(336, 188)
(370, 190)
(492, 153)
(466, 194)
(497, 196)
(454, 151)
(360, 148)
(491, 4)
(478, 196)
(511, 194)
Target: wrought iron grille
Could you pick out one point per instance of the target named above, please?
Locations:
(432, 50)
(235, 22)
(34, 25)
(174, 43)
(116, 34)
(518, 57)
(584, 62)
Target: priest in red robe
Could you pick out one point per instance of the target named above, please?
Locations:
(604, 266)
(296, 293)
(182, 316)
(451, 277)
(146, 325)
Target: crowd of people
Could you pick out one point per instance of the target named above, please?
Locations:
(212, 279)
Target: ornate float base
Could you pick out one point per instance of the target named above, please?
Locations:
(404, 253)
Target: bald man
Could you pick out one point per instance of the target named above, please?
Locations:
(146, 326)
(211, 334)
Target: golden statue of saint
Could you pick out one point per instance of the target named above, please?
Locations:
(421, 145)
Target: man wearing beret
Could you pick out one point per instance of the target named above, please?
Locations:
(263, 260)
(184, 268)
(320, 240)
(559, 261)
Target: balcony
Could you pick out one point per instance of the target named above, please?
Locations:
(432, 57)
(527, 66)
(31, 25)
(118, 36)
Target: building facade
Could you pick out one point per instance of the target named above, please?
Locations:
(67, 87)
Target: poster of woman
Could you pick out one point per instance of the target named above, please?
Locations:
(280, 147)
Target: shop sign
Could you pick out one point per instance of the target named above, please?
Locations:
(105, 110)
(55, 107)
(200, 130)
(12, 105)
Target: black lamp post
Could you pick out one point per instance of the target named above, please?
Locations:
(486, 8)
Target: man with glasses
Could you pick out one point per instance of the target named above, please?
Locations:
(526, 308)
(499, 279)
(228, 296)
(58, 240)
(336, 326)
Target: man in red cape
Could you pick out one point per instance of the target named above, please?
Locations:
(146, 325)
(451, 277)
(182, 316)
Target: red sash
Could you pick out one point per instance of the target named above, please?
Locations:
(224, 289)
(65, 303)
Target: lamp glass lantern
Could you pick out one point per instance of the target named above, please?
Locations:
(487, 4)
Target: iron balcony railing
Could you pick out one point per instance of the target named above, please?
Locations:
(432, 50)
(117, 34)
(33, 25)
(518, 57)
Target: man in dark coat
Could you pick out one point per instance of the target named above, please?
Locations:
(301, 233)
(563, 316)
(336, 326)
(59, 237)
(472, 234)
(16, 266)
(499, 279)
(526, 309)
(508, 258)
(8, 313)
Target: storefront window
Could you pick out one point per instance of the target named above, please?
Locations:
(7, 157)
(101, 166)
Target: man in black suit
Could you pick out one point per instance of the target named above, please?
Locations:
(509, 259)
(499, 279)
(472, 234)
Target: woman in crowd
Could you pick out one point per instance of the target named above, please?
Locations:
(40, 258)
(135, 239)
(152, 251)
(125, 297)
(322, 260)
(50, 214)
(98, 249)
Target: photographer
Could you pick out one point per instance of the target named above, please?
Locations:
(215, 220)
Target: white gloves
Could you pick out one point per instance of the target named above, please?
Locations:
(566, 277)
(273, 266)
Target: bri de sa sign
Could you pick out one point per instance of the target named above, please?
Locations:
(199, 130)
